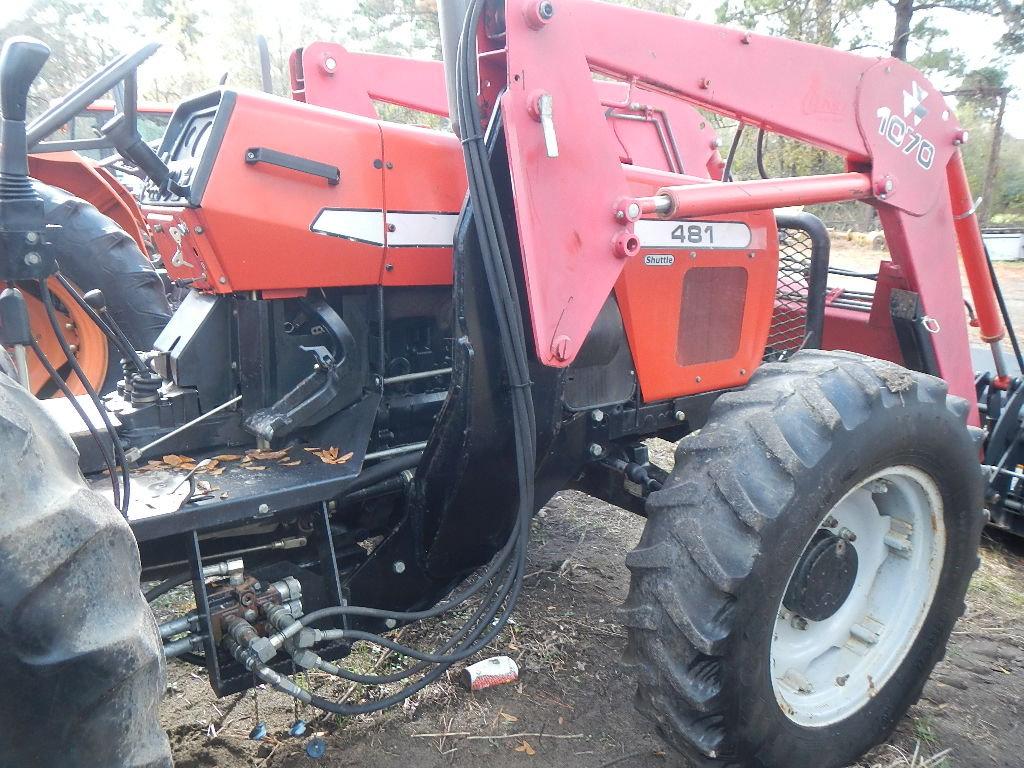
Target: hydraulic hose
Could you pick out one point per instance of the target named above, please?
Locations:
(51, 313)
(500, 273)
(62, 385)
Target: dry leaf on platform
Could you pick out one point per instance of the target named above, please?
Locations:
(267, 455)
(254, 468)
(173, 460)
(227, 457)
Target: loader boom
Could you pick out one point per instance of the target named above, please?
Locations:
(897, 136)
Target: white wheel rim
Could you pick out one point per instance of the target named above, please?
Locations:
(825, 672)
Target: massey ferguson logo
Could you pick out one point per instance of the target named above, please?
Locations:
(659, 260)
(913, 104)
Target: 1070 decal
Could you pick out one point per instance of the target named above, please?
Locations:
(896, 131)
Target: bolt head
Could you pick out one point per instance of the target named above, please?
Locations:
(31, 238)
(390, 623)
(595, 450)
(330, 64)
(264, 509)
(597, 415)
(199, 230)
(32, 258)
(799, 622)
(546, 10)
(633, 211)
(680, 415)
(398, 566)
(222, 280)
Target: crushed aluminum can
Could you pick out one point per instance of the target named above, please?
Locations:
(497, 670)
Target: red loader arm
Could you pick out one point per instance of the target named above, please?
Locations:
(893, 128)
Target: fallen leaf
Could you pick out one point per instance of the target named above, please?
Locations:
(290, 463)
(267, 455)
(346, 457)
(188, 466)
(210, 464)
(254, 467)
(217, 472)
(525, 747)
(509, 718)
(226, 457)
(176, 461)
(312, 450)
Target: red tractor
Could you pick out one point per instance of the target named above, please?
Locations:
(398, 343)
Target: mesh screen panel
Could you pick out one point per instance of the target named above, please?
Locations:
(789, 320)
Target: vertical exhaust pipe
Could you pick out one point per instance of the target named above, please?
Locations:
(450, 15)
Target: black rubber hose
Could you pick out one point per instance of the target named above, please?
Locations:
(56, 378)
(51, 313)
(504, 293)
(167, 585)
(727, 173)
(119, 339)
(1007, 322)
(760, 155)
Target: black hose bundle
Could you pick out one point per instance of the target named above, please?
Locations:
(122, 493)
(502, 580)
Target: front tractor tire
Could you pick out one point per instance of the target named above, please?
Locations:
(80, 655)
(803, 567)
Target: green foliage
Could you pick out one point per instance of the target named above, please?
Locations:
(60, 24)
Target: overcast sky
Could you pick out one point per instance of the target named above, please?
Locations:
(975, 36)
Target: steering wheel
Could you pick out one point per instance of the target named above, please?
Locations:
(122, 68)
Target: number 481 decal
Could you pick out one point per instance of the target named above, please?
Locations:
(903, 137)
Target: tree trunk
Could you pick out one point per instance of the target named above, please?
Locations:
(901, 34)
(988, 188)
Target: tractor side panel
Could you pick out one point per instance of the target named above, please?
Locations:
(697, 301)
(268, 227)
(424, 187)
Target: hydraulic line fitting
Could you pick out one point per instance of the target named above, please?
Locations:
(243, 633)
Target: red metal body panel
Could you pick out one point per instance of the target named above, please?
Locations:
(653, 302)
(564, 205)
(327, 75)
(424, 173)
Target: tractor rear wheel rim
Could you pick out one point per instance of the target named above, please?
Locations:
(85, 337)
(824, 671)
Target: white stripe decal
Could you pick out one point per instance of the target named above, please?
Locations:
(422, 230)
(411, 230)
(364, 226)
(693, 235)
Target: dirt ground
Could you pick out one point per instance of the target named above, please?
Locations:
(572, 706)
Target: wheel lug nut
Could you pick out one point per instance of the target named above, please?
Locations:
(799, 622)
(847, 534)
(830, 522)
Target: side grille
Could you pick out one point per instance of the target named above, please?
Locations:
(800, 297)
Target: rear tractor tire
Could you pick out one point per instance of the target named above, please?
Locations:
(804, 565)
(94, 252)
(81, 663)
